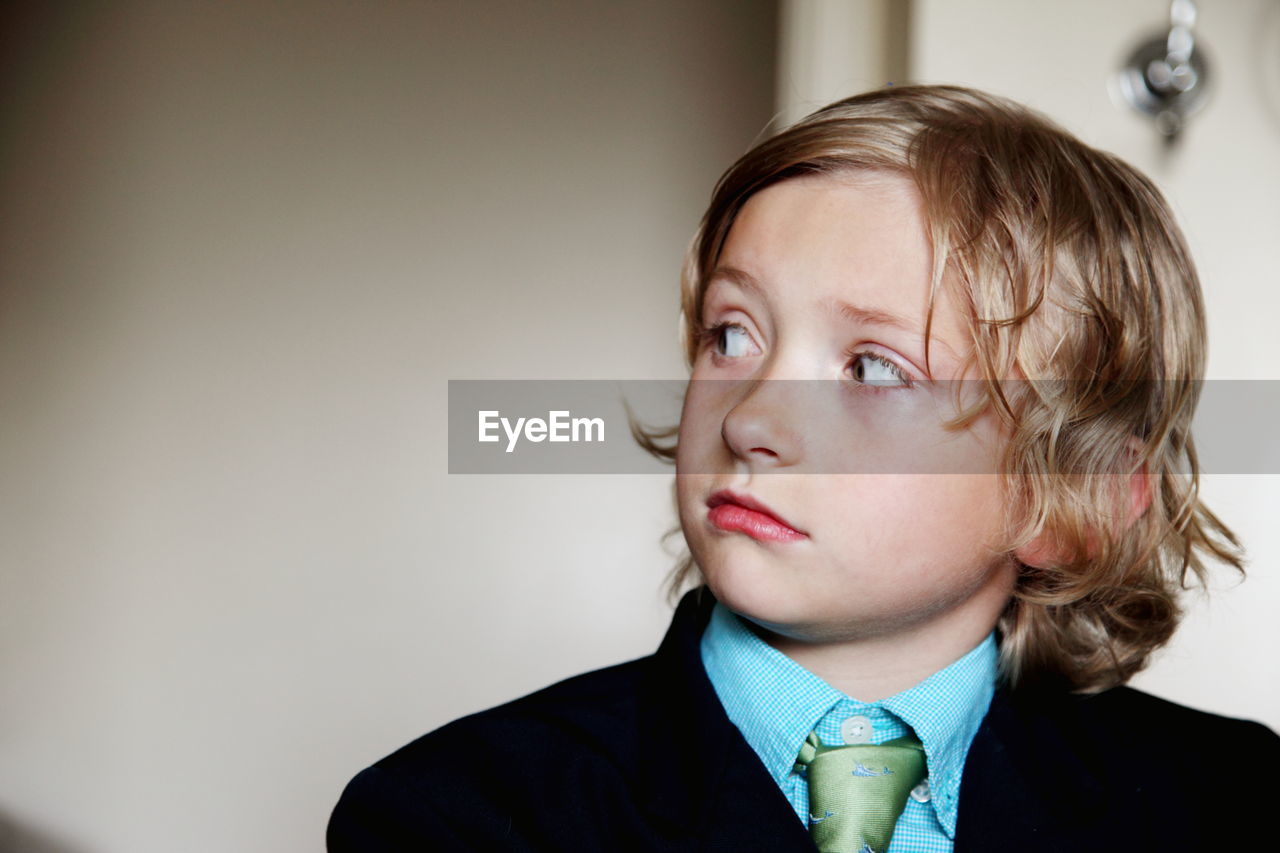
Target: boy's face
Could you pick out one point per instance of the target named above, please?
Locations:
(862, 556)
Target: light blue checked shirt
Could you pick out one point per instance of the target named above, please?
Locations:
(775, 703)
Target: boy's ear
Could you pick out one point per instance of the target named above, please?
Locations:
(1045, 550)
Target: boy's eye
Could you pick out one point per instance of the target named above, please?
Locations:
(730, 339)
(734, 341)
(868, 368)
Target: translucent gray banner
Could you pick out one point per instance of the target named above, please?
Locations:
(832, 426)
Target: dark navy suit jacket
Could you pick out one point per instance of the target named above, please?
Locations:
(641, 756)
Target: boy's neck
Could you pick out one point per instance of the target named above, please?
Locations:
(872, 668)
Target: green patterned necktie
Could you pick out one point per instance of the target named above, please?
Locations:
(856, 793)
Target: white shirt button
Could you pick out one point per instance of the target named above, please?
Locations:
(921, 793)
(856, 730)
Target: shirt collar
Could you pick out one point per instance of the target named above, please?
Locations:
(776, 703)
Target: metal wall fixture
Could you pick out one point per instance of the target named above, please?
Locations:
(1166, 75)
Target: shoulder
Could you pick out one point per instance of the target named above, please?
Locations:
(1136, 744)
(575, 735)
(586, 713)
(1136, 720)
(1126, 712)
(1183, 747)
(1124, 765)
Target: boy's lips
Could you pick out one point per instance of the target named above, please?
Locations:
(734, 511)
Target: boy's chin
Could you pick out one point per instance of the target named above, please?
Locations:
(767, 602)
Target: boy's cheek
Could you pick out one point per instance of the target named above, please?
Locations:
(701, 448)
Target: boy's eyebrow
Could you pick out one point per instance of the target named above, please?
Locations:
(872, 316)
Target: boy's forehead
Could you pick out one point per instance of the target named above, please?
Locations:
(727, 277)
(850, 246)
(868, 209)
(836, 238)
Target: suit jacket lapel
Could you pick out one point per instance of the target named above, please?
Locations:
(700, 777)
(1035, 780)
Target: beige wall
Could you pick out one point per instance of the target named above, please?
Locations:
(243, 247)
(1223, 182)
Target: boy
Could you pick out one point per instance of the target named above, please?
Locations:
(881, 656)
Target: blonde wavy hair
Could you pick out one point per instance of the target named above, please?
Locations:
(1076, 277)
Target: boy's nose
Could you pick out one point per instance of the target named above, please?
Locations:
(766, 426)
